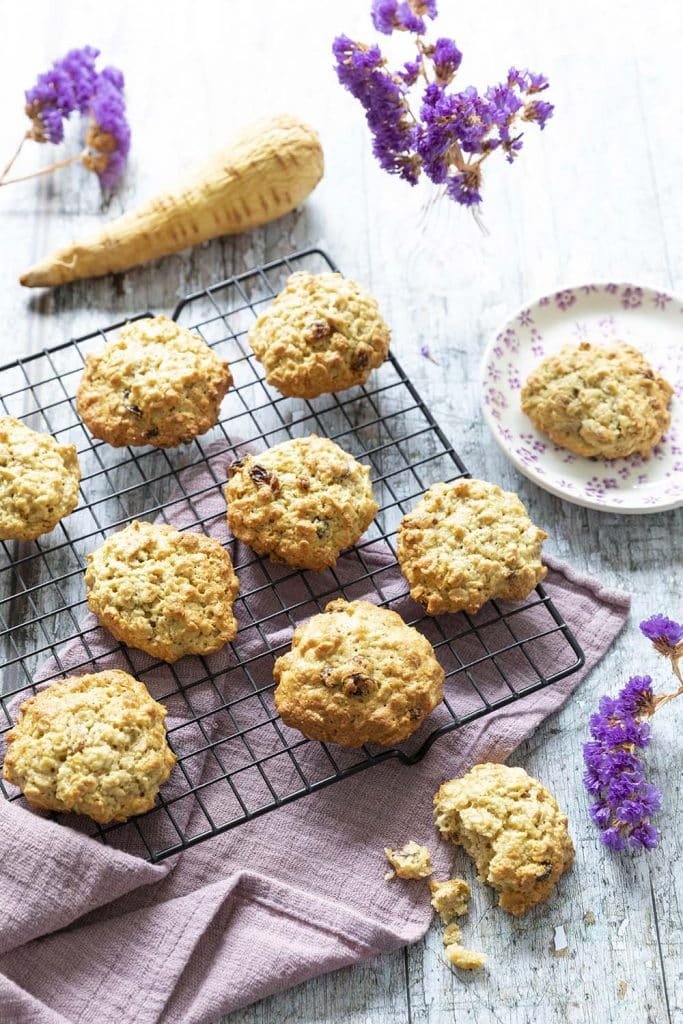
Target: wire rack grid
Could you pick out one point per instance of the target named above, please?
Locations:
(236, 759)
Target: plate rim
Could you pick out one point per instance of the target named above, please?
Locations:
(516, 462)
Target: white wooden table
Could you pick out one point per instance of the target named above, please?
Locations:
(596, 196)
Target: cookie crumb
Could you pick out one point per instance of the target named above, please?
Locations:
(465, 959)
(411, 861)
(622, 988)
(452, 934)
(450, 898)
(589, 917)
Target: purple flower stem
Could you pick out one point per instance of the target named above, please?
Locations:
(43, 170)
(424, 351)
(10, 164)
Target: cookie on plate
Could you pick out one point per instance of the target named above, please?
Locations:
(466, 542)
(513, 829)
(92, 744)
(156, 383)
(599, 400)
(357, 674)
(39, 479)
(301, 502)
(322, 333)
(165, 592)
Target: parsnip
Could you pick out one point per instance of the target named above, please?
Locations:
(264, 173)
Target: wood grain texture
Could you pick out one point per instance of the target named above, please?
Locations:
(596, 196)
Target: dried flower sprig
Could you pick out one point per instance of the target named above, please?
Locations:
(450, 135)
(624, 802)
(73, 85)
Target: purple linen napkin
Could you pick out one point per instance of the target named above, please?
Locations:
(94, 933)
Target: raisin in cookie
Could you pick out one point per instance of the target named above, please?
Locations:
(301, 502)
(155, 383)
(603, 401)
(166, 592)
(39, 481)
(322, 333)
(512, 828)
(92, 744)
(466, 542)
(357, 674)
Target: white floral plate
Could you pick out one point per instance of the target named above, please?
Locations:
(650, 320)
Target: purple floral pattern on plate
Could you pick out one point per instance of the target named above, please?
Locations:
(602, 313)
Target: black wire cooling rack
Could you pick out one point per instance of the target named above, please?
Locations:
(236, 759)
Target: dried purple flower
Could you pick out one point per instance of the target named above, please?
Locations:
(361, 70)
(666, 634)
(463, 186)
(426, 354)
(402, 15)
(109, 133)
(539, 112)
(73, 85)
(65, 88)
(615, 775)
(410, 71)
(446, 58)
(455, 131)
(527, 81)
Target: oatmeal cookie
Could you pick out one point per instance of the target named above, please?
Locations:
(166, 592)
(512, 828)
(322, 333)
(92, 744)
(602, 401)
(410, 861)
(301, 502)
(466, 542)
(155, 383)
(39, 481)
(357, 674)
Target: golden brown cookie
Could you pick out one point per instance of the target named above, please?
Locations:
(39, 481)
(155, 383)
(512, 828)
(322, 333)
(466, 542)
(602, 401)
(92, 744)
(357, 674)
(301, 502)
(166, 592)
